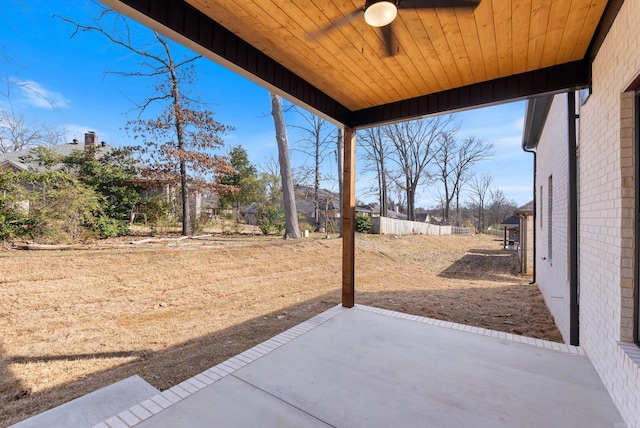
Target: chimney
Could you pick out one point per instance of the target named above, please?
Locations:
(90, 142)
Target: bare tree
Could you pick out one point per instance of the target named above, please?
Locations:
(292, 230)
(454, 162)
(415, 148)
(316, 143)
(376, 154)
(16, 131)
(178, 142)
(499, 207)
(478, 188)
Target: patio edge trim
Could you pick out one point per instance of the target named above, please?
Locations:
(156, 404)
(547, 344)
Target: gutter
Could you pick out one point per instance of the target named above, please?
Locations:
(574, 305)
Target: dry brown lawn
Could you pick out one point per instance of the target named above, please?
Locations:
(72, 322)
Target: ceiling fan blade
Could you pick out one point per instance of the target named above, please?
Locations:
(387, 37)
(437, 4)
(335, 24)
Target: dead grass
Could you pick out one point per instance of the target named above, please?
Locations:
(72, 322)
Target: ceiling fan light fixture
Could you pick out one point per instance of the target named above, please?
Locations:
(379, 13)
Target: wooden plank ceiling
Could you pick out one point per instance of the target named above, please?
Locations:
(436, 50)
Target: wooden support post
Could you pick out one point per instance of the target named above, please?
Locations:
(348, 218)
(504, 240)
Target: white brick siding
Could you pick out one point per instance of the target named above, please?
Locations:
(606, 214)
(552, 160)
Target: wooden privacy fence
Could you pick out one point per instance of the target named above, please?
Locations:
(384, 225)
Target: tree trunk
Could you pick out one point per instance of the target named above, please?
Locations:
(340, 156)
(177, 107)
(447, 203)
(292, 230)
(411, 212)
(186, 211)
(458, 207)
(411, 192)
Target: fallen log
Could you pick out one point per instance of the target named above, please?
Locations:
(33, 246)
(158, 240)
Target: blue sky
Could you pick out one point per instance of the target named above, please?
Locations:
(39, 53)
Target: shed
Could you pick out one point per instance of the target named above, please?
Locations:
(511, 236)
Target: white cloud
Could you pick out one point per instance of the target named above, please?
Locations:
(37, 96)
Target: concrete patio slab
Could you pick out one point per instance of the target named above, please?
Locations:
(232, 403)
(88, 410)
(365, 367)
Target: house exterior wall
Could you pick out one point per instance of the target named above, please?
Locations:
(606, 214)
(552, 161)
(525, 249)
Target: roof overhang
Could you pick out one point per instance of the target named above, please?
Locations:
(535, 117)
(10, 165)
(448, 60)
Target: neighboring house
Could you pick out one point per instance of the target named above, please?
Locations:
(323, 217)
(18, 160)
(328, 205)
(587, 210)
(525, 247)
(434, 219)
(421, 214)
(370, 210)
(396, 214)
(22, 160)
(511, 236)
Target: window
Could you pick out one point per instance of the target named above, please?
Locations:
(550, 218)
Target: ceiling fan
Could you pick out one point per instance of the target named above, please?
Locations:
(381, 14)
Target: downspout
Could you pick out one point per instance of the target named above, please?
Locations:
(574, 308)
(535, 173)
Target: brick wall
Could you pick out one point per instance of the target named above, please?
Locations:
(606, 215)
(526, 244)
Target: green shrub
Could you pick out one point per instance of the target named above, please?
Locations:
(270, 220)
(156, 211)
(303, 225)
(110, 227)
(363, 223)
